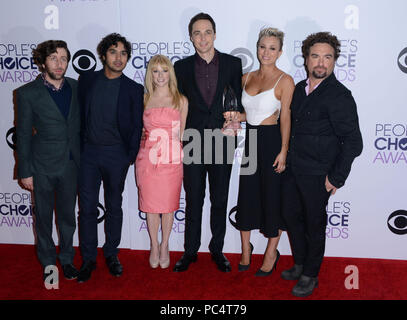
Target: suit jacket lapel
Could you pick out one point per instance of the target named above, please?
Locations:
(44, 94)
(73, 104)
(91, 86)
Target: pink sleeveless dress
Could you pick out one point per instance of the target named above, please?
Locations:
(159, 169)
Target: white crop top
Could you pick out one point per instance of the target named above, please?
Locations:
(261, 105)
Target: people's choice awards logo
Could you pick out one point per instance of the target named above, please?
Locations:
(178, 225)
(16, 210)
(83, 61)
(246, 56)
(397, 222)
(142, 52)
(390, 143)
(338, 219)
(16, 62)
(402, 60)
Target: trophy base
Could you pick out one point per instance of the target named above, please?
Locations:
(231, 128)
(229, 132)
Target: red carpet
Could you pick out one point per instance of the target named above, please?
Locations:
(21, 279)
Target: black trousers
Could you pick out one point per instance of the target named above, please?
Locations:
(304, 201)
(57, 192)
(195, 175)
(110, 165)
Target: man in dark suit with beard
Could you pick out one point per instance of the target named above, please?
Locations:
(48, 124)
(202, 78)
(325, 139)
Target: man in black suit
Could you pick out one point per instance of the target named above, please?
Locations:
(325, 139)
(48, 124)
(111, 114)
(202, 78)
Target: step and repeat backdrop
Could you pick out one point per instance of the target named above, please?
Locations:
(367, 218)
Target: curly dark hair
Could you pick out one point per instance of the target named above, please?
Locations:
(321, 37)
(45, 49)
(201, 16)
(112, 40)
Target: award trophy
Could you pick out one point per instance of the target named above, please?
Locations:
(230, 106)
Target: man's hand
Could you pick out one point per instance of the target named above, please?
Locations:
(28, 183)
(329, 187)
(232, 116)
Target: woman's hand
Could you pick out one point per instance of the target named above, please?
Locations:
(279, 163)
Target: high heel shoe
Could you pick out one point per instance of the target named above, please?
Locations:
(154, 259)
(245, 267)
(261, 273)
(164, 263)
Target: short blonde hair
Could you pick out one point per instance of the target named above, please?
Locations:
(271, 32)
(164, 62)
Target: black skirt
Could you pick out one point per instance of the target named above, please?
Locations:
(258, 204)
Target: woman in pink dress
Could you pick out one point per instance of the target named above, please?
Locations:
(159, 169)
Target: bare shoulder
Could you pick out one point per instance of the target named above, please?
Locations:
(184, 103)
(244, 77)
(287, 82)
(252, 74)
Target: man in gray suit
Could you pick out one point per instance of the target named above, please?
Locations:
(48, 126)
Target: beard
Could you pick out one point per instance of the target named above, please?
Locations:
(55, 76)
(114, 68)
(319, 75)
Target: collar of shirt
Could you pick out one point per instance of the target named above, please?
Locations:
(214, 61)
(50, 85)
(307, 87)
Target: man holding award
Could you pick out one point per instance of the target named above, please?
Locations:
(203, 79)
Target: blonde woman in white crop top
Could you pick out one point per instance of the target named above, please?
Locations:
(266, 97)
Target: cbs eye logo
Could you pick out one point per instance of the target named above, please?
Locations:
(83, 61)
(402, 60)
(246, 56)
(11, 138)
(231, 212)
(397, 222)
(101, 213)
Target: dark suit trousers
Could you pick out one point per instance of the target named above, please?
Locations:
(110, 165)
(304, 201)
(194, 186)
(57, 192)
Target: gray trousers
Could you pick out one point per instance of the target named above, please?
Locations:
(57, 192)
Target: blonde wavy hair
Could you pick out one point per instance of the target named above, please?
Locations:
(271, 32)
(165, 63)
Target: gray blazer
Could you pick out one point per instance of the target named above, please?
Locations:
(44, 137)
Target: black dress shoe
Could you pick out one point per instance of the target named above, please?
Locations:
(184, 262)
(292, 274)
(261, 273)
(245, 267)
(70, 272)
(305, 286)
(221, 261)
(114, 265)
(86, 271)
